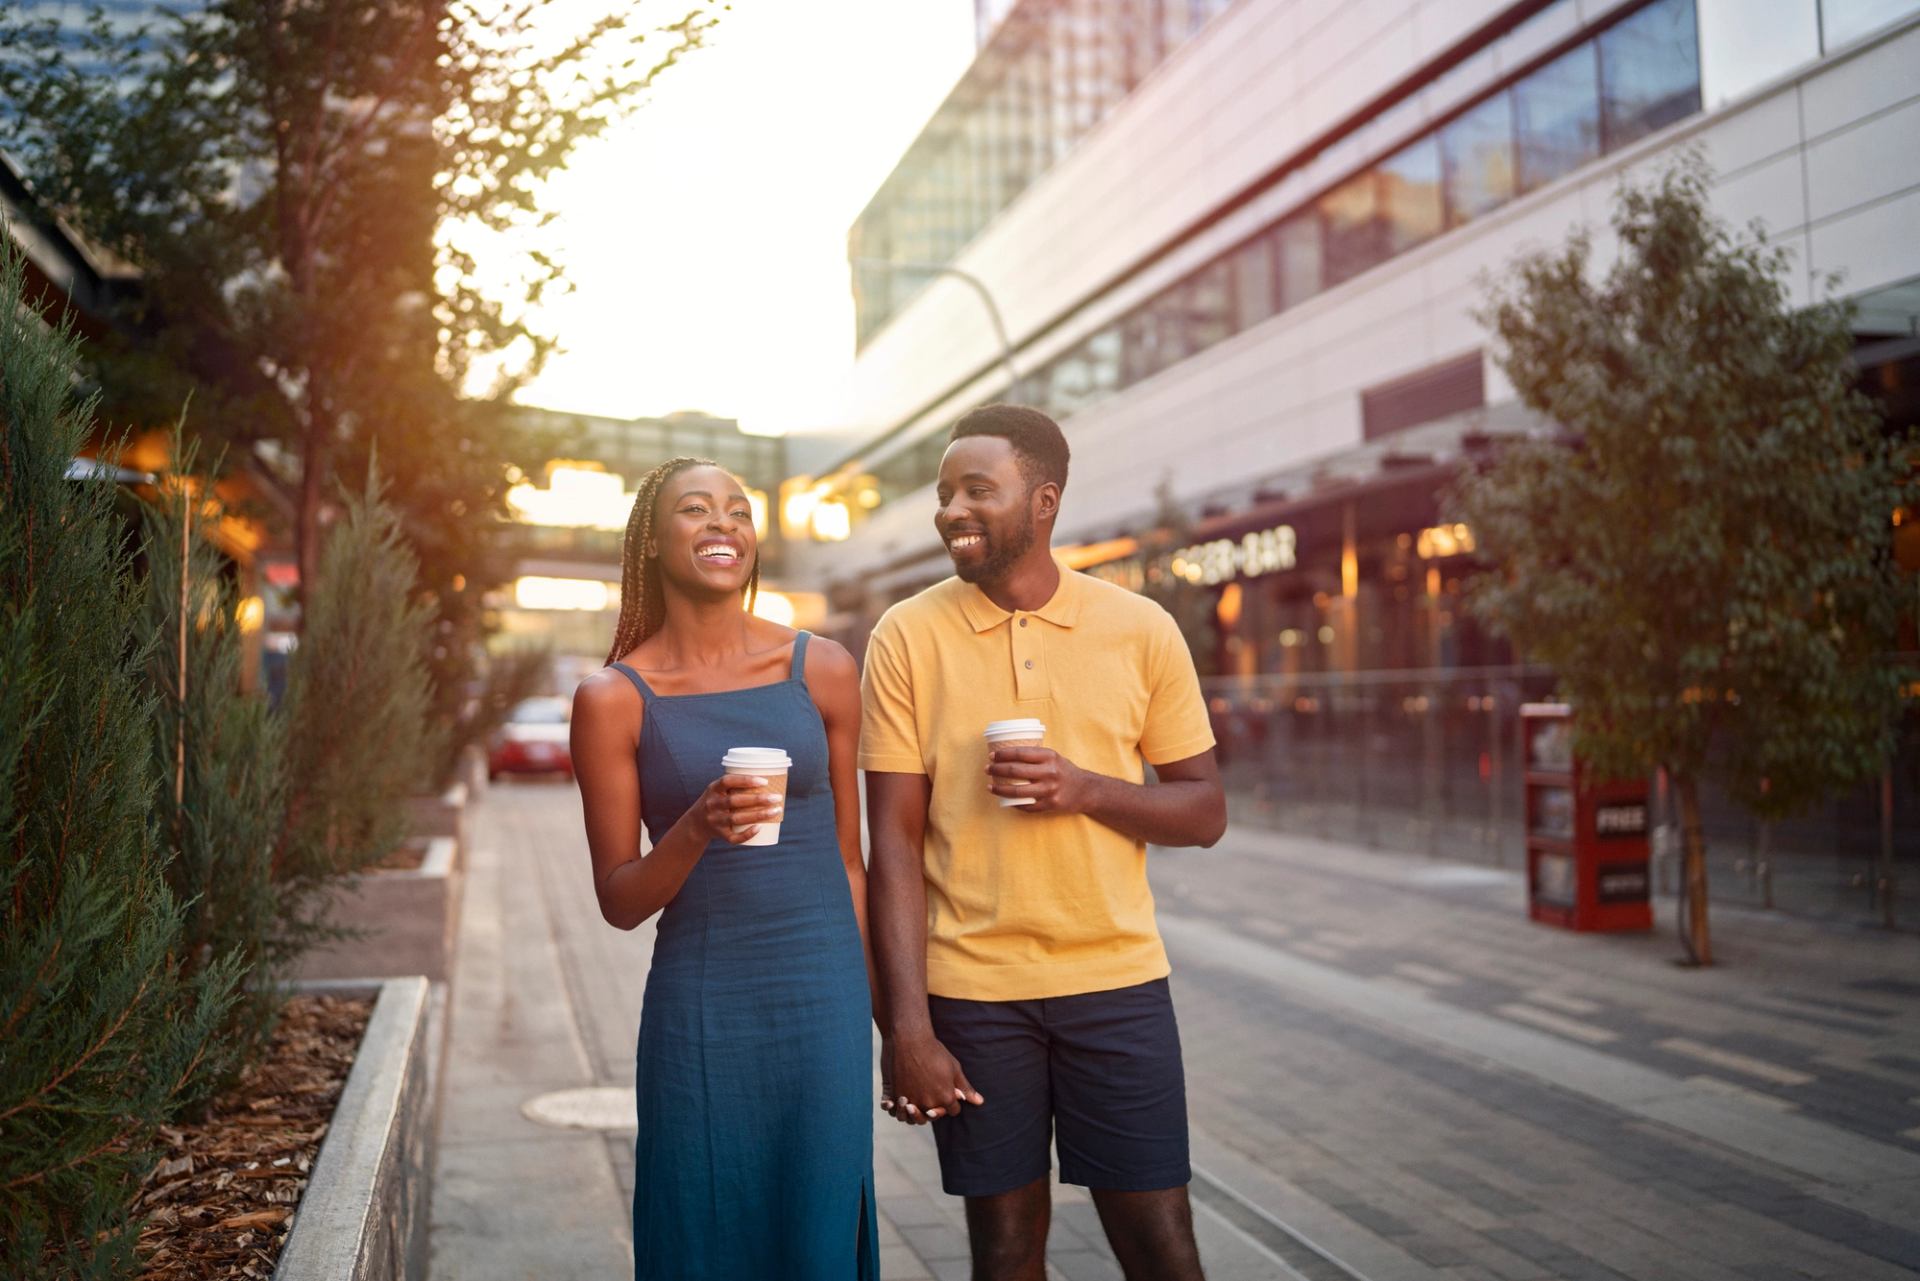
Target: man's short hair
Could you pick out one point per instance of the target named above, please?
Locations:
(1037, 440)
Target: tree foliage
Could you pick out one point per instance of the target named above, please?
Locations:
(1704, 556)
(103, 1030)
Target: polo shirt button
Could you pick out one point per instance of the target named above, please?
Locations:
(1023, 622)
(1029, 664)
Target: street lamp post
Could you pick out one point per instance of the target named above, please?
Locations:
(973, 282)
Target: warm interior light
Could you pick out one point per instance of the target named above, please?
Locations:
(251, 614)
(575, 497)
(537, 592)
(775, 607)
(1228, 610)
(832, 521)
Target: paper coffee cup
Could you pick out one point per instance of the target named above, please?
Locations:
(1025, 732)
(769, 763)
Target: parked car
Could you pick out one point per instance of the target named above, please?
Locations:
(533, 740)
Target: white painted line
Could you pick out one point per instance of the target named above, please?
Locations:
(1281, 1270)
(1431, 975)
(1319, 951)
(1734, 1090)
(1732, 1062)
(1559, 1023)
(1561, 1001)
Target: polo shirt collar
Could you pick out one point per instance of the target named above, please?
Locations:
(1062, 609)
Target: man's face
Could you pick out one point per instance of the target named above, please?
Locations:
(986, 512)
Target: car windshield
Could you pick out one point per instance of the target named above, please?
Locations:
(540, 711)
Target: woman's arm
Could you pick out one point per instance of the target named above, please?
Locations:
(632, 886)
(833, 679)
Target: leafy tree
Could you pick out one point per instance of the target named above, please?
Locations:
(1704, 556)
(102, 1030)
(303, 187)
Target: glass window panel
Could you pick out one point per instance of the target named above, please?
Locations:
(1649, 71)
(1556, 113)
(1145, 347)
(1844, 21)
(1476, 152)
(1072, 383)
(1409, 184)
(1207, 315)
(1738, 54)
(1254, 279)
(1350, 225)
(1302, 269)
(1103, 352)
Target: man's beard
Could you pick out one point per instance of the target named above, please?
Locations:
(1002, 552)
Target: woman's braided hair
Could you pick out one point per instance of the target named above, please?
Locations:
(643, 602)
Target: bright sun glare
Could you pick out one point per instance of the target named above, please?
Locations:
(706, 236)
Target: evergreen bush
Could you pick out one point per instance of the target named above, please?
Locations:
(101, 1027)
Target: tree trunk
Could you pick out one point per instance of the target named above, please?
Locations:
(316, 466)
(1693, 870)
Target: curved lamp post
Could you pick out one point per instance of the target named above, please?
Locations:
(972, 281)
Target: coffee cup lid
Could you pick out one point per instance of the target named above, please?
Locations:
(753, 758)
(1024, 725)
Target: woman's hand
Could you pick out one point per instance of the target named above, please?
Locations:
(733, 807)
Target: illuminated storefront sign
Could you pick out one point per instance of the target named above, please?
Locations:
(1266, 551)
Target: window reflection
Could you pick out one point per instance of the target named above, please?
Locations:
(1350, 227)
(1844, 21)
(1254, 279)
(1299, 245)
(1649, 71)
(1738, 54)
(1476, 152)
(1556, 114)
(1409, 187)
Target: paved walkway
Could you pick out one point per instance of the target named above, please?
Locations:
(1392, 1075)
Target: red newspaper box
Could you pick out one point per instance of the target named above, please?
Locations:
(1586, 839)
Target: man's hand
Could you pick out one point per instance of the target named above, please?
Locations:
(1055, 784)
(921, 1081)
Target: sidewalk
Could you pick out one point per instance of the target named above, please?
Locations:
(1392, 1076)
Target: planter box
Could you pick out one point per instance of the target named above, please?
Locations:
(409, 919)
(442, 815)
(364, 1212)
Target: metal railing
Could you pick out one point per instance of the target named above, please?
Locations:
(1429, 762)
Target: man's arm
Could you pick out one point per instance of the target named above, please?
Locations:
(1185, 807)
(924, 1079)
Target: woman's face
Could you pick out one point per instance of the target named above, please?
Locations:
(703, 531)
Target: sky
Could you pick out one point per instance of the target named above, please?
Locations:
(706, 235)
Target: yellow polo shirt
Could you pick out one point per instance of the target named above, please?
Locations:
(1022, 906)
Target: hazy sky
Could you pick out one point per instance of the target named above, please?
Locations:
(706, 237)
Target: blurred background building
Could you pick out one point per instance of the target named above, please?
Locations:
(1236, 249)
(570, 522)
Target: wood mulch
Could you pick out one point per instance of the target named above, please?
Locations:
(221, 1202)
(408, 856)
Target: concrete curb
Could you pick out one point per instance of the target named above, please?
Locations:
(410, 918)
(364, 1214)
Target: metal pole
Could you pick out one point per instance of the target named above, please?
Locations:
(971, 281)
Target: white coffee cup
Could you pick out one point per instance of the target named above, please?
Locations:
(771, 764)
(1023, 732)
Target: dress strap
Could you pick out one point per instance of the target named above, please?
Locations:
(799, 657)
(646, 695)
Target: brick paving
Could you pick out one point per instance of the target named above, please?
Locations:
(1392, 1074)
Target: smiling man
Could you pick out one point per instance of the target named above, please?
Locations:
(1023, 981)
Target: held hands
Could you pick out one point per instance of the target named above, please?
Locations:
(733, 807)
(1055, 784)
(920, 1081)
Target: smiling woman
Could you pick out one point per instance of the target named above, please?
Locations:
(757, 992)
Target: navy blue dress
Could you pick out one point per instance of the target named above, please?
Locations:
(755, 1152)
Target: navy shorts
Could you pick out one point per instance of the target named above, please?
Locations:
(1098, 1072)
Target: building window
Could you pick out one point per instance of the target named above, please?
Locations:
(1738, 54)
(1476, 153)
(1409, 185)
(1350, 228)
(1649, 72)
(1451, 387)
(1844, 21)
(1254, 282)
(1557, 118)
(1299, 247)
